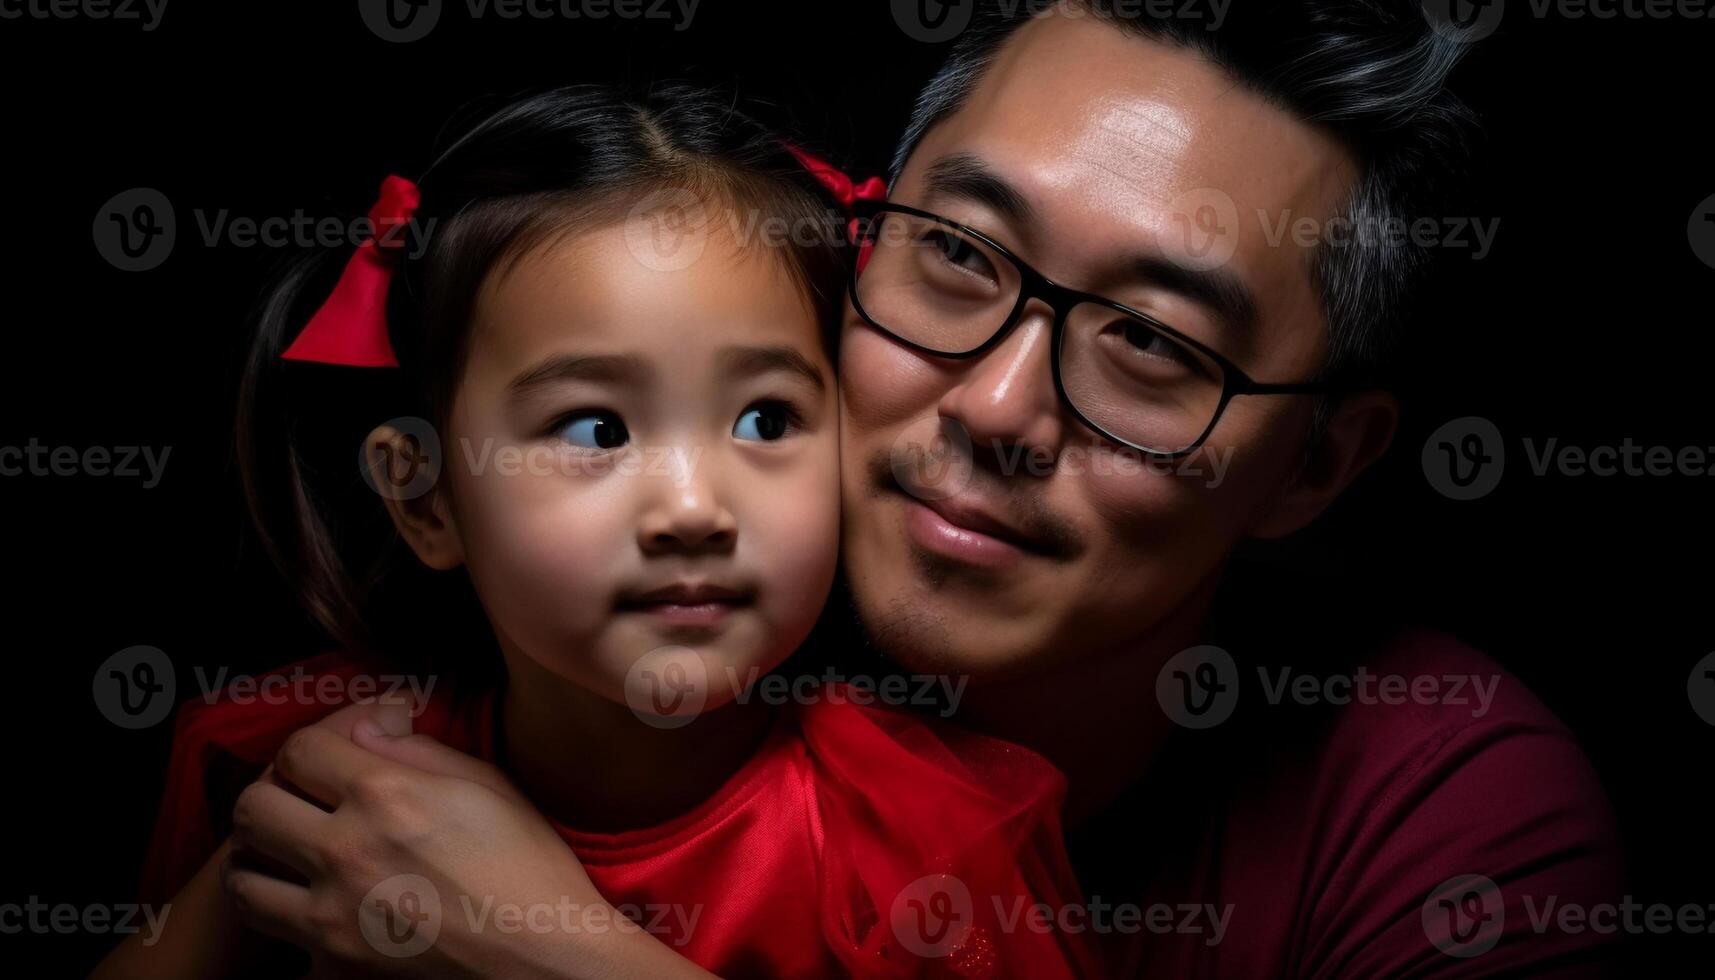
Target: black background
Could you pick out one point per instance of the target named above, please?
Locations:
(1588, 323)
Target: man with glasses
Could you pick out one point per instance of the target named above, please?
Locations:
(1075, 262)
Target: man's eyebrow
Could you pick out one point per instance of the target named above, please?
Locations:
(1217, 289)
(966, 176)
(752, 360)
(581, 367)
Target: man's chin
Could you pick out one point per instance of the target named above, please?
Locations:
(925, 633)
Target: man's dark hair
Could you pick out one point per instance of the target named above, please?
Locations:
(1373, 72)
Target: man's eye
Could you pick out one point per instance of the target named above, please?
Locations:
(962, 253)
(1153, 343)
(765, 422)
(595, 430)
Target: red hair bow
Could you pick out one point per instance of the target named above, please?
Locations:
(838, 184)
(351, 326)
(844, 191)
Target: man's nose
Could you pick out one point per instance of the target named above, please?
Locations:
(1005, 398)
(687, 514)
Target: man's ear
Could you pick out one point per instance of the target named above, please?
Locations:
(408, 482)
(1359, 431)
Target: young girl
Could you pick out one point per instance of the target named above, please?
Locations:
(609, 333)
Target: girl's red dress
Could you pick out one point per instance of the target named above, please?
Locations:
(809, 862)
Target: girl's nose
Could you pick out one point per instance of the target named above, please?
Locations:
(688, 518)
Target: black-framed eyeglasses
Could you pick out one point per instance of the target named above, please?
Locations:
(948, 290)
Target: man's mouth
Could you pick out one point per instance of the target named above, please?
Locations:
(966, 530)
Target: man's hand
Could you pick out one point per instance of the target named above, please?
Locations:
(380, 851)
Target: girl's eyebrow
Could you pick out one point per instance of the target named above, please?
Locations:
(742, 361)
(616, 368)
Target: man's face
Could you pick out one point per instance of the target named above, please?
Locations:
(1121, 152)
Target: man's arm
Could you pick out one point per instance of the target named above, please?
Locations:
(408, 805)
(201, 937)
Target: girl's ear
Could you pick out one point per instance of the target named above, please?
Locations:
(405, 476)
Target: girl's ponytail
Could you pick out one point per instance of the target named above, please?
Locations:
(278, 469)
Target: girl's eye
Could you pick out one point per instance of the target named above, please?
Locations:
(765, 422)
(595, 430)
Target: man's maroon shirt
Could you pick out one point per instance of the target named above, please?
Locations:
(1324, 834)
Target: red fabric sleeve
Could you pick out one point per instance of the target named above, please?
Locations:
(937, 843)
(219, 747)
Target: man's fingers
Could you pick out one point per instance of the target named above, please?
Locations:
(423, 752)
(269, 905)
(280, 825)
(390, 714)
(324, 764)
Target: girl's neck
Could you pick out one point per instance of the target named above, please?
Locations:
(591, 764)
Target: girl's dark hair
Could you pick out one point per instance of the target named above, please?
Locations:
(516, 179)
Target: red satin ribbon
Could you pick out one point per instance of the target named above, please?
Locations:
(838, 184)
(845, 191)
(350, 328)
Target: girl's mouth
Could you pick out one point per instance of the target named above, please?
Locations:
(687, 604)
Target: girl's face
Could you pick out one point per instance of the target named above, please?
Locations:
(644, 461)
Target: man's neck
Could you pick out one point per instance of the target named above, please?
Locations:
(1096, 717)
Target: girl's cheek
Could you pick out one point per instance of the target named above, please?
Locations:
(544, 547)
(793, 521)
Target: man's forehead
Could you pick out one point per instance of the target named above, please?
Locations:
(1128, 148)
(1126, 124)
